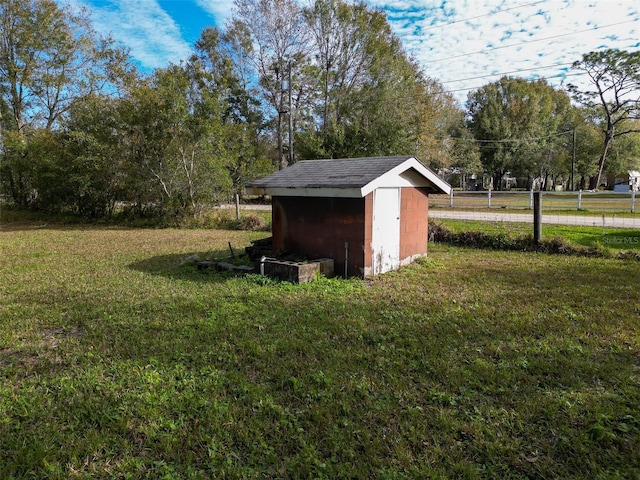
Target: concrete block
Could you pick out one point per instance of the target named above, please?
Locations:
(326, 266)
(298, 272)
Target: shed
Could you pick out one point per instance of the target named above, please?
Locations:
(369, 214)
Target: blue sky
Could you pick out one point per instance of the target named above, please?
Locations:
(462, 43)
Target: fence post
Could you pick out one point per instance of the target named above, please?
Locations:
(530, 199)
(451, 199)
(489, 199)
(633, 201)
(537, 217)
(579, 199)
(237, 207)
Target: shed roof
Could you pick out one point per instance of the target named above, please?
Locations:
(349, 177)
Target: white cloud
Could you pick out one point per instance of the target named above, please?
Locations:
(220, 9)
(453, 40)
(461, 39)
(142, 25)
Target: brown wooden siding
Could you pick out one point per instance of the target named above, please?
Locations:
(319, 227)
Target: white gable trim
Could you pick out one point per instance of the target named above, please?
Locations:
(402, 176)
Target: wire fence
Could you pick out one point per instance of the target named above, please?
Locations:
(604, 220)
(610, 219)
(582, 201)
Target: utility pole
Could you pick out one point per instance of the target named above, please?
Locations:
(282, 162)
(326, 93)
(291, 160)
(573, 162)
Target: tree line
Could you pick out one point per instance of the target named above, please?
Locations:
(82, 130)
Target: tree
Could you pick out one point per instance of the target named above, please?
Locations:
(340, 76)
(271, 34)
(175, 143)
(342, 36)
(576, 152)
(216, 74)
(615, 77)
(624, 153)
(464, 155)
(82, 171)
(372, 98)
(517, 123)
(49, 58)
(438, 122)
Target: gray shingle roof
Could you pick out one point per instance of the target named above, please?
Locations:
(331, 173)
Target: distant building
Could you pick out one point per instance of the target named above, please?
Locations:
(624, 182)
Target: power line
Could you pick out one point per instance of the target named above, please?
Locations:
(511, 140)
(481, 16)
(508, 73)
(539, 78)
(530, 41)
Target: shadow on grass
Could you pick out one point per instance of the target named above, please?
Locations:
(183, 266)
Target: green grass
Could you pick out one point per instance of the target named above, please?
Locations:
(119, 362)
(609, 239)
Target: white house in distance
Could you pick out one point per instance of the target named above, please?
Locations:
(625, 182)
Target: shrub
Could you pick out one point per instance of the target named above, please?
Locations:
(209, 218)
(504, 241)
(252, 221)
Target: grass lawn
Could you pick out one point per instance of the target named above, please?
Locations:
(119, 362)
(612, 239)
